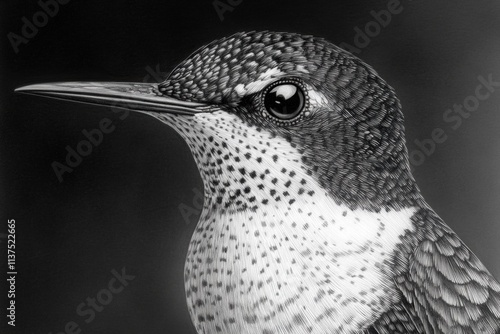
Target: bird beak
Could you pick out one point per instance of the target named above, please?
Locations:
(141, 97)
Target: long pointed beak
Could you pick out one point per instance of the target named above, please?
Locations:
(142, 97)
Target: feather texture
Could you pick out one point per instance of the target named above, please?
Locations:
(447, 287)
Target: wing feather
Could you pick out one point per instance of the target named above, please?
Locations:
(401, 319)
(446, 285)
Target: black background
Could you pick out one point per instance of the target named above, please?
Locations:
(119, 207)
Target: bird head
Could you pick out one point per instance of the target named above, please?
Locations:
(271, 116)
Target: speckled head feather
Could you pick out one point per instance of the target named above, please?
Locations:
(351, 139)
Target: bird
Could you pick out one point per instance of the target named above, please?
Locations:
(312, 221)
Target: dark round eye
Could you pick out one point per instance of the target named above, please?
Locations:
(284, 101)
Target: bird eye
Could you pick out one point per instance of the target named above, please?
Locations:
(284, 100)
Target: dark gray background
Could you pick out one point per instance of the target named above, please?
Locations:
(119, 208)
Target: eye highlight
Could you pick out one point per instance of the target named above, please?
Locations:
(285, 100)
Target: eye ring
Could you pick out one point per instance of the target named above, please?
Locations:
(285, 100)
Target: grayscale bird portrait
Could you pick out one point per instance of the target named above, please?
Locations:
(250, 167)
